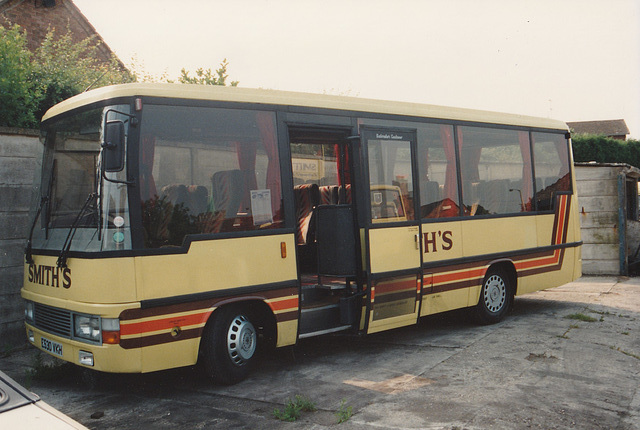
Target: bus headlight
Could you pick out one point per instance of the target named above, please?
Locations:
(87, 327)
(28, 311)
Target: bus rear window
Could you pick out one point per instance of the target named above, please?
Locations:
(551, 161)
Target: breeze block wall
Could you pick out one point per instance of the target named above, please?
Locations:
(20, 152)
(610, 237)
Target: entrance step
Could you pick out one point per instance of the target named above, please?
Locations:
(319, 319)
(328, 316)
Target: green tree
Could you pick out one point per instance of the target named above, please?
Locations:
(207, 77)
(64, 68)
(30, 83)
(18, 92)
(137, 69)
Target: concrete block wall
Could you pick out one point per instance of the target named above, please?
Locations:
(20, 152)
(606, 249)
(598, 206)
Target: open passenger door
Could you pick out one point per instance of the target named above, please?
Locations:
(392, 233)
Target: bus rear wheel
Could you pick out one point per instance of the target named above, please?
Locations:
(496, 296)
(229, 346)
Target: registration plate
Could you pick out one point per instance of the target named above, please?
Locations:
(54, 348)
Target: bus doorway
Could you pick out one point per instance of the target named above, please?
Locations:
(326, 235)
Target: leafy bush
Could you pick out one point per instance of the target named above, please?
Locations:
(30, 83)
(207, 77)
(19, 93)
(65, 68)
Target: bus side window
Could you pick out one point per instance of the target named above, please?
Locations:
(205, 170)
(391, 180)
(496, 171)
(437, 172)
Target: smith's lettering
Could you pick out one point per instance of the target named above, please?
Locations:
(50, 276)
(437, 240)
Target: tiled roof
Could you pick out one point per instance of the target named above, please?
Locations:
(611, 127)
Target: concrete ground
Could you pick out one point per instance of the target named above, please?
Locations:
(568, 357)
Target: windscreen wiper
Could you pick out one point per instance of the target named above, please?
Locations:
(62, 259)
(27, 252)
(44, 200)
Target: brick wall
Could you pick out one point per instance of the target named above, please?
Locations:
(20, 152)
(36, 19)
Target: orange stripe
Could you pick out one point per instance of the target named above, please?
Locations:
(458, 276)
(127, 329)
(559, 224)
(446, 278)
(284, 304)
(539, 262)
(561, 218)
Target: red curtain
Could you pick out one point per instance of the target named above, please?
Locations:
(527, 177)
(246, 152)
(267, 129)
(147, 154)
(451, 177)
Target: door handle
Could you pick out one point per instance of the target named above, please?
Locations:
(417, 240)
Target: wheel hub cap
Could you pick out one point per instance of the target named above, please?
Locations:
(495, 293)
(241, 340)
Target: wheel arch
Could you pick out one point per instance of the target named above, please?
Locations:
(257, 310)
(509, 268)
(496, 293)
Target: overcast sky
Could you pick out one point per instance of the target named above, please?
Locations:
(571, 60)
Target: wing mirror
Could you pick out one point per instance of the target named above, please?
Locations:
(113, 153)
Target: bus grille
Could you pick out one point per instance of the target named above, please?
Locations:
(53, 320)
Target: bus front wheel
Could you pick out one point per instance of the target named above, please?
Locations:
(495, 297)
(229, 346)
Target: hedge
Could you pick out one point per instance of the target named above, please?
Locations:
(602, 149)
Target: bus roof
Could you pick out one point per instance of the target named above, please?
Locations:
(286, 98)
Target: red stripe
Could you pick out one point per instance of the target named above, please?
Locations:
(458, 276)
(396, 286)
(539, 262)
(163, 323)
(284, 304)
(567, 209)
(561, 218)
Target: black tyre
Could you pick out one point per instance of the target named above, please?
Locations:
(496, 297)
(229, 346)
